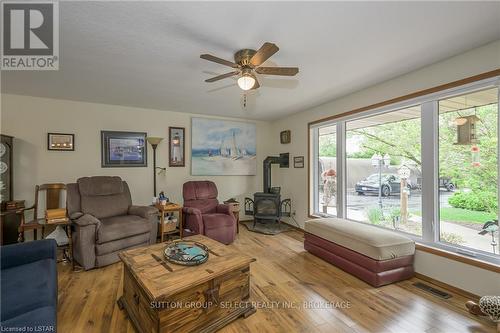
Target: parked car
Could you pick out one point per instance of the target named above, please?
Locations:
(391, 184)
(444, 183)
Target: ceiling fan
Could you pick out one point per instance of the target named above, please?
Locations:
(246, 64)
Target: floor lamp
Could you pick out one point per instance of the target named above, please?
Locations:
(154, 142)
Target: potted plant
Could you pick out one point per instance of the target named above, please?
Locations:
(329, 187)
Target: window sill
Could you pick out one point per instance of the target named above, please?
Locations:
(458, 257)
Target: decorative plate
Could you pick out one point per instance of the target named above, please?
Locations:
(186, 253)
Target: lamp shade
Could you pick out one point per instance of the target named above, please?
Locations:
(153, 140)
(376, 158)
(387, 160)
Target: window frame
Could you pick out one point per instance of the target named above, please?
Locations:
(430, 158)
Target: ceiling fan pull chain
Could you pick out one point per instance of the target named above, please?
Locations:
(244, 100)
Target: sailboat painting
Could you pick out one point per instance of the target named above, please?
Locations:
(222, 148)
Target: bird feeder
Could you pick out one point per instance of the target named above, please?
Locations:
(404, 172)
(475, 157)
(467, 130)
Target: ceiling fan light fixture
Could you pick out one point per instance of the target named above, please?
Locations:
(246, 81)
(246, 63)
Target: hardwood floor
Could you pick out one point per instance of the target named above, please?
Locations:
(282, 279)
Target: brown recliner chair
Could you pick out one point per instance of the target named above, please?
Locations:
(105, 222)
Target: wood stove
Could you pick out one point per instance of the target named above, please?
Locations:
(267, 206)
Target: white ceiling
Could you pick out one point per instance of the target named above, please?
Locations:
(146, 54)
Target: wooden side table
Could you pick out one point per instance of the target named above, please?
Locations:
(235, 209)
(169, 208)
(69, 247)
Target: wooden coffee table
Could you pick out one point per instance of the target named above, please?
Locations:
(160, 296)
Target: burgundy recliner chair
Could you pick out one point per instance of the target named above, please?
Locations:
(204, 215)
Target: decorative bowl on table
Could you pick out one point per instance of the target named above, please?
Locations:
(187, 253)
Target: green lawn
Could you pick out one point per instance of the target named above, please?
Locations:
(463, 215)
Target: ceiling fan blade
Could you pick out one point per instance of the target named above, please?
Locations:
(223, 76)
(286, 71)
(256, 84)
(265, 51)
(210, 57)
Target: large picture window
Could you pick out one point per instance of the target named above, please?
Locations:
(384, 170)
(427, 167)
(468, 169)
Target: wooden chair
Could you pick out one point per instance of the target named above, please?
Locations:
(53, 194)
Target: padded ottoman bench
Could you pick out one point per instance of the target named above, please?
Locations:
(374, 255)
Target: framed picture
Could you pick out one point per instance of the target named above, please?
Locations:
(298, 162)
(123, 149)
(286, 136)
(60, 141)
(176, 147)
(223, 148)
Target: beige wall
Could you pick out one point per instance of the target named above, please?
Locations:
(475, 280)
(29, 119)
(294, 181)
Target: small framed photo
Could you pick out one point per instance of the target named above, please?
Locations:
(60, 141)
(285, 136)
(298, 162)
(176, 147)
(123, 149)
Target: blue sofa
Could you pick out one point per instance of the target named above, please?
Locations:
(29, 286)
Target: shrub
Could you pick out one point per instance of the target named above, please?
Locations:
(393, 215)
(478, 201)
(375, 215)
